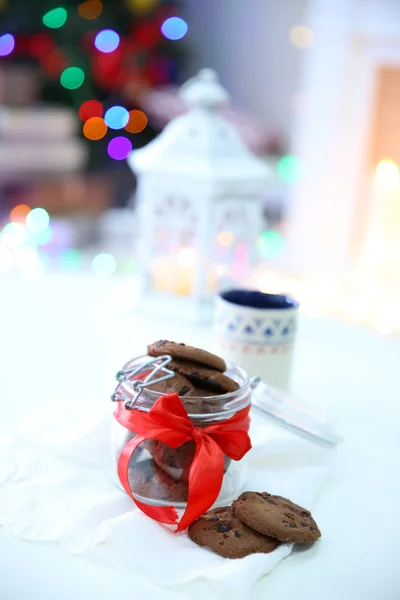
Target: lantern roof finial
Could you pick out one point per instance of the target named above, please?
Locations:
(201, 143)
(204, 90)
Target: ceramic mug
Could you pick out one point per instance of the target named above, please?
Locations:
(257, 331)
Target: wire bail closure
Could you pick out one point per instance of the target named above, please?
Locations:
(129, 388)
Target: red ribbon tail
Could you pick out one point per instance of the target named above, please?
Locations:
(205, 480)
(162, 514)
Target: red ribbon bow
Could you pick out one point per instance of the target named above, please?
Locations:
(168, 422)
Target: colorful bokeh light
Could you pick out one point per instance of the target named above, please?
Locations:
(107, 40)
(13, 235)
(54, 63)
(44, 237)
(141, 6)
(29, 261)
(104, 265)
(270, 283)
(225, 239)
(90, 9)
(72, 78)
(119, 148)
(387, 175)
(55, 18)
(70, 259)
(90, 108)
(40, 44)
(129, 266)
(37, 220)
(301, 36)
(19, 212)
(289, 168)
(95, 128)
(7, 43)
(186, 257)
(270, 244)
(137, 121)
(174, 28)
(116, 117)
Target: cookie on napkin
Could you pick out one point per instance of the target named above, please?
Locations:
(277, 517)
(221, 531)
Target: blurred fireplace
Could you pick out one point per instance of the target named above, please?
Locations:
(377, 237)
(385, 133)
(343, 207)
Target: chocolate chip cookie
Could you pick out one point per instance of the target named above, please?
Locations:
(198, 392)
(188, 353)
(176, 462)
(147, 480)
(221, 531)
(277, 517)
(177, 384)
(204, 377)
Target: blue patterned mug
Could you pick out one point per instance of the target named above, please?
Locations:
(257, 331)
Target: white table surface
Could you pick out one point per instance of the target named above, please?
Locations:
(67, 336)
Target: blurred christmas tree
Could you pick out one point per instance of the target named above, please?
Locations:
(95, 56)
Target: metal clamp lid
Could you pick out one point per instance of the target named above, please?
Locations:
(129, 373)
(282, 407)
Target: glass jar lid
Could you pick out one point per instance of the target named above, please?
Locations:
(137, 376)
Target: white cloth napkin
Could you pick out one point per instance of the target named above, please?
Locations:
(56, 484)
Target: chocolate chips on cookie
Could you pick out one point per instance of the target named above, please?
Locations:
(203, 369)
(277, 517)
(203, 377)
(256, 522)
(188, 353)
(221, 531)
(178, 384)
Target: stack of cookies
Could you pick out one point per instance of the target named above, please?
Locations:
(198, 373)
(256, 522)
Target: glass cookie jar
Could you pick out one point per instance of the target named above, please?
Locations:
(158, 473)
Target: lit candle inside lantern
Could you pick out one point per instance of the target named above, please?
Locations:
(176, 273)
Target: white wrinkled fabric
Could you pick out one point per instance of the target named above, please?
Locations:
(56, 485)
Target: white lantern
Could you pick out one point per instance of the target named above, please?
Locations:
(199, 205)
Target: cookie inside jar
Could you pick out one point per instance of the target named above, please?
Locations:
(158, 473)
(199, 379)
